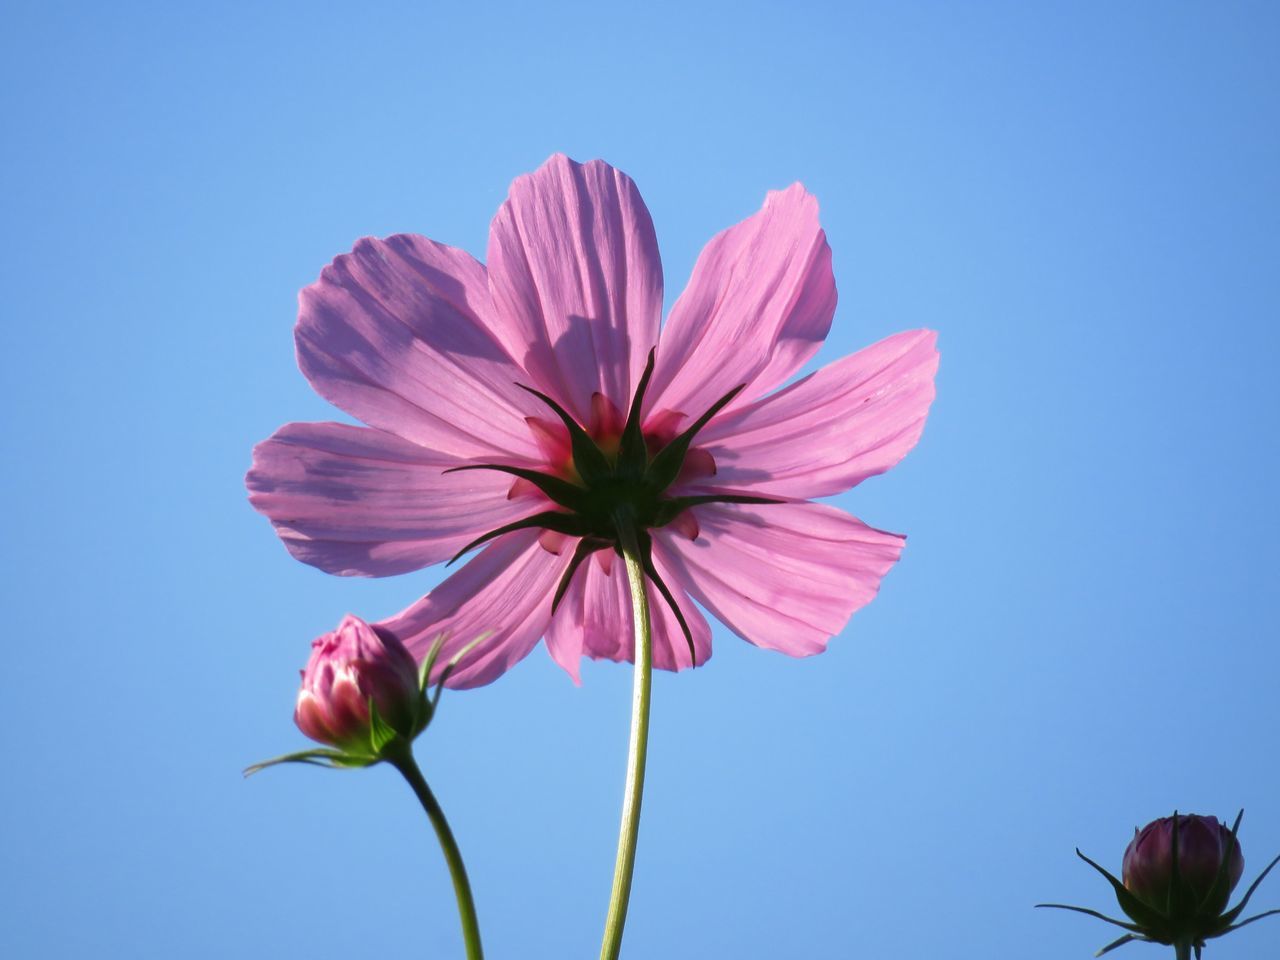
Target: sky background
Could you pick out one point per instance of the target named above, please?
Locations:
(1082, 198)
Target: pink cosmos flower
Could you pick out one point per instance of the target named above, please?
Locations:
(528, 405)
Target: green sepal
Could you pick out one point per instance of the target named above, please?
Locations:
(1131, 927)
(1127, 938)
(566, 523)
(1218, 891)
(429, 662)
(586, 546)
(430, 700)
(1176, 905)
(559, 491)
(453, 664)
(666, 464)
(1230, 916)
(323, 757)
(646, 556)
(381, 733)
(588, 459)
(1245, 923)
(633, 453)
(1146, 917)
(671, 508)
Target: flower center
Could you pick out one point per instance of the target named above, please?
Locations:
(616, 482)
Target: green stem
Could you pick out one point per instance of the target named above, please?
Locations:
(639, 748)
(403, 761)
(1182, 950)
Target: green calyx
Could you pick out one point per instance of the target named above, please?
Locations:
(623, 488)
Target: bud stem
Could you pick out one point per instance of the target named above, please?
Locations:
(402, 760)
(1182, 950)
(638, 750)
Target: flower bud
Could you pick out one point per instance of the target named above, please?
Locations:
(1203, 844)
(1178, 875)
(349, 667)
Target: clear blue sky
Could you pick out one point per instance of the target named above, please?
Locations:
(1083, 198)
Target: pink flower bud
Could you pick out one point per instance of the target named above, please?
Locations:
(1203, 844)
(348, 667)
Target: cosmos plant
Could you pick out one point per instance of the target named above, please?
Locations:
(609, 473)
(365, 699)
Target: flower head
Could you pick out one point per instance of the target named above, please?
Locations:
(530, 407)
(351, 668)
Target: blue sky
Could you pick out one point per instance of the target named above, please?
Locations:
(1083, 199)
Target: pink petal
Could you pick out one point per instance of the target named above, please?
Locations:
(360, 502)
(851, 420)
(312, 719)
(575, 274)
(505, 591)
(784, 576)
(398, 334)
(758, 305)
(594, 619)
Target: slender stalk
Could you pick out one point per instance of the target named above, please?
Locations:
(638, 750)
(403, 761)
(1182, 950)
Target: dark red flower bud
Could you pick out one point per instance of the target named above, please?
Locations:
(1203, 844)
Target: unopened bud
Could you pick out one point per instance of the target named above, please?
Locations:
(350, 667)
